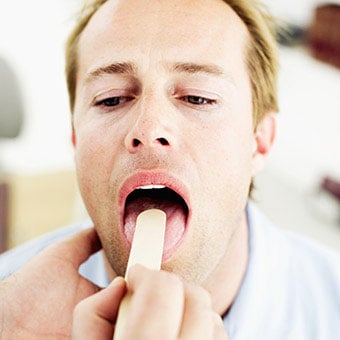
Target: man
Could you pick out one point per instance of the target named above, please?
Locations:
(173, 105)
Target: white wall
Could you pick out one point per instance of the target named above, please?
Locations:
(32, 36)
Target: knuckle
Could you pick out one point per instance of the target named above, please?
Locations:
(216, 319)
(200, 294)
(218, 327)
(162, 279)
(161, 288)
(172, 280)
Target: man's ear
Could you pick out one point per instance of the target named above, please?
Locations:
(73, 138)
(263, 141)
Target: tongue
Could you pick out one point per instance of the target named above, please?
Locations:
(175, 220)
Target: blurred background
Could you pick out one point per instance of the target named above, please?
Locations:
(299, 189)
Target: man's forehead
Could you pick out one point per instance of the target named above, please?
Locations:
(197, 36)
(200, 15)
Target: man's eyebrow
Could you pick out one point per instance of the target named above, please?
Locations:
(114, 68)
(194, 68)
(130, 68)
(197, 68)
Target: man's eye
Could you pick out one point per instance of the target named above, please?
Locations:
(112, 101)
(196, 100)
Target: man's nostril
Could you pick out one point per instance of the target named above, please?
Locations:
(163, 141)
(135, 142)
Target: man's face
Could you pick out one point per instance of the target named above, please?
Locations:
(163, 98)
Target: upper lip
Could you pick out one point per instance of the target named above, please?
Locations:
(145, 178)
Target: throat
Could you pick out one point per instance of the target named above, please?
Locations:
(225, 281)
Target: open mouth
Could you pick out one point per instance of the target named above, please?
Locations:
(156, 196)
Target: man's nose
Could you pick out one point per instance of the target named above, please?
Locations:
(150, 129)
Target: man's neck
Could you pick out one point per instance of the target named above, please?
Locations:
(225, 281)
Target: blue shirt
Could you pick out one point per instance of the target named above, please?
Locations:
(291, 289)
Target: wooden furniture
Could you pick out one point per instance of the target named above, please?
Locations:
(324, 34)
(34, 204)
(3, 216)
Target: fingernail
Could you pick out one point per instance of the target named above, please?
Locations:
(117, 281)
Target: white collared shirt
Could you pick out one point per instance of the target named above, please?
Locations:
(291, 290)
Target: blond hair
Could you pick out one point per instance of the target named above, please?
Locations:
(262, 60)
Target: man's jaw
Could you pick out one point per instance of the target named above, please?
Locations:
(147, 190)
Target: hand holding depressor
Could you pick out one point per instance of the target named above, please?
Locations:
(161, 306)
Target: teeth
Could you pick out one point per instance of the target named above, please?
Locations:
(151, 186)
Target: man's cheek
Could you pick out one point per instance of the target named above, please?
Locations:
(89, 172)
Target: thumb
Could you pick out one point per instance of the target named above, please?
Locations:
(77, 248)
(94, 317)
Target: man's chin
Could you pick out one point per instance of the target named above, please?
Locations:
(115, 265)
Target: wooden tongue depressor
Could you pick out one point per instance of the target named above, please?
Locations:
(147, 250)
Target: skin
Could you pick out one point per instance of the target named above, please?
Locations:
(196, 126)
(37, 302)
